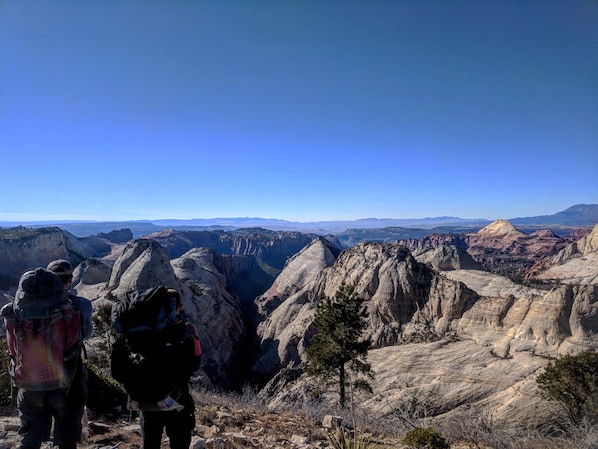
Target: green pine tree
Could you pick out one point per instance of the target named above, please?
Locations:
(337, 353)
(572, 380)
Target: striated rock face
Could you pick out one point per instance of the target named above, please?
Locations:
(299, 270)
(511, 317)
(22, 248)
(208, 305)
(397, 290)
(217, 315)
(394, 285)
(142, 265)
(443, 341)
(269, 247)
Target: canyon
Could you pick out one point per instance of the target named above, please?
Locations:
(459, 323)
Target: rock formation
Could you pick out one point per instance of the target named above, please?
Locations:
(451, 332)
(117, 236)
(217, 315)
(443, 341)
(269, 247)
(214, 311)
(576, 263)
(23, 248)
(499, 248)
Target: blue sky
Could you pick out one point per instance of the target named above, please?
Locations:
(302, 110)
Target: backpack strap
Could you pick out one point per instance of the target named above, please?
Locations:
(72, 297)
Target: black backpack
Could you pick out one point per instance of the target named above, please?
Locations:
(156, 352)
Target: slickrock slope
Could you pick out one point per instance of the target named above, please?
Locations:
(286, 310)
(451, 381)
(500, 229)
(449, 341)
(217, 315)
(298, 271)
(577, 263)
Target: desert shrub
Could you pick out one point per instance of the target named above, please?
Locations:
(102, 318)
(340, 440)
(6, 397)
(425, 437)
(105, 394)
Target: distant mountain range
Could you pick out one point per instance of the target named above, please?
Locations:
(581, 215)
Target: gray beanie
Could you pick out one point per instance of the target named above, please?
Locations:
(61, 267)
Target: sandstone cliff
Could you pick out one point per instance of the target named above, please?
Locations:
(271, 248)
(442, 341)
(210, 307)
(23, 248)
(448, 337)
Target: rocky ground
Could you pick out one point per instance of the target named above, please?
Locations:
(218, 427)
(237, 425)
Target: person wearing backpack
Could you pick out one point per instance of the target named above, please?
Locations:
(77, 393)
(154, 359)
(44, 334)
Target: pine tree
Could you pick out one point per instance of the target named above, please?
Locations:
(337, 353)
(572, 380)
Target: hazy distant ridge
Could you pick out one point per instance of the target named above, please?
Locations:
(582, 215)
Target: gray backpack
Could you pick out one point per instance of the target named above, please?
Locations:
(42, 332)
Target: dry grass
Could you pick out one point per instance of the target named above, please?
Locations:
(242, 420)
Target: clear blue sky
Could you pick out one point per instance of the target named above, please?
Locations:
(303, 110)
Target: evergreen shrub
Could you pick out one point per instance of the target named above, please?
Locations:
(425, 437)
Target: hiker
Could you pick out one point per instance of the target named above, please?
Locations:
(64, 270)
(45, 335)
(76, 395)
(155, 362)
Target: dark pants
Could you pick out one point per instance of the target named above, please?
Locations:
(179, 425)
(37, 409)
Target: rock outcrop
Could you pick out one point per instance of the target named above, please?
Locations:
(117, 236)
(451, 332)
(217, 315)
(209, 306)
(447, 340)
(23, 248)
(270, 247)
(576, 263)
(498, 248)
(299, 270)
(286, 311)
